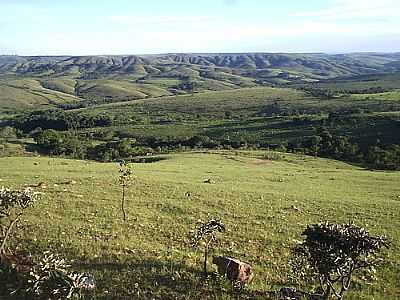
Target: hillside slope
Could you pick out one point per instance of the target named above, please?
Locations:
(264, 204)
(56, 81)
(322, 65)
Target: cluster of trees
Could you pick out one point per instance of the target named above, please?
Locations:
(194, 142)
(187, 85)
(82, 104)
(323, 144)
(58, 133)
(60, 120)
(69, 144)
(277, 109)
(385, 158)
(326, 93)
(371, 90)
(326, 144)
(55, 142)
(323, 94)
(115, 150)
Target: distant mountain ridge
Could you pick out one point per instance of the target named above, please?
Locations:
(317, 65)
(32, 82)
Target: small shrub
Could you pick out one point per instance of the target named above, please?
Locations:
(49, 278)
(125, 180)
(332, 254)
(13, 204)
(206, 234)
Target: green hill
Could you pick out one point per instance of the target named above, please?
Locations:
(104, 79)
(264, 204)
(204, 127)
(23, 93)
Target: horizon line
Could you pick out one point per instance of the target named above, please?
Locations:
(205, 53)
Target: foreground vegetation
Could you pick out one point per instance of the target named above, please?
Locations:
(189, 144)
(265, 205)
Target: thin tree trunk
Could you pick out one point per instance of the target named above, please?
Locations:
(327, 293)
(123, 203)
(205, 260)
(8, 232)
(332, 289)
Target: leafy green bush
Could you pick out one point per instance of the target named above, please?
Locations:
(13, 204)
(52, 279)
(332, 254)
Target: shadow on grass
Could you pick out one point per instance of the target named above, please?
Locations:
(152, 279)
(147, 279)
(158, 279)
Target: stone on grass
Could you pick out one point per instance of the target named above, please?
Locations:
(234, 269)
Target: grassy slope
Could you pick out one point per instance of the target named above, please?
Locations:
(204, 113)
(28, 93)
(65, 85)
(385, 81)
(97, 81)
(149, 256)
(118, 90)
(250, 101)
(246, 99)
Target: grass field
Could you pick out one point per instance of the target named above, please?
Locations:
(260, 101)
(249, 119)
(29, 93)
(264, 204)
(384, 81)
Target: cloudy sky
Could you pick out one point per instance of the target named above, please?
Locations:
(89, 27)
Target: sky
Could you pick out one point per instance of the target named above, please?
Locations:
(106, 27)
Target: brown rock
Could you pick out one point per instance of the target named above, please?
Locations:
(234, 269)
